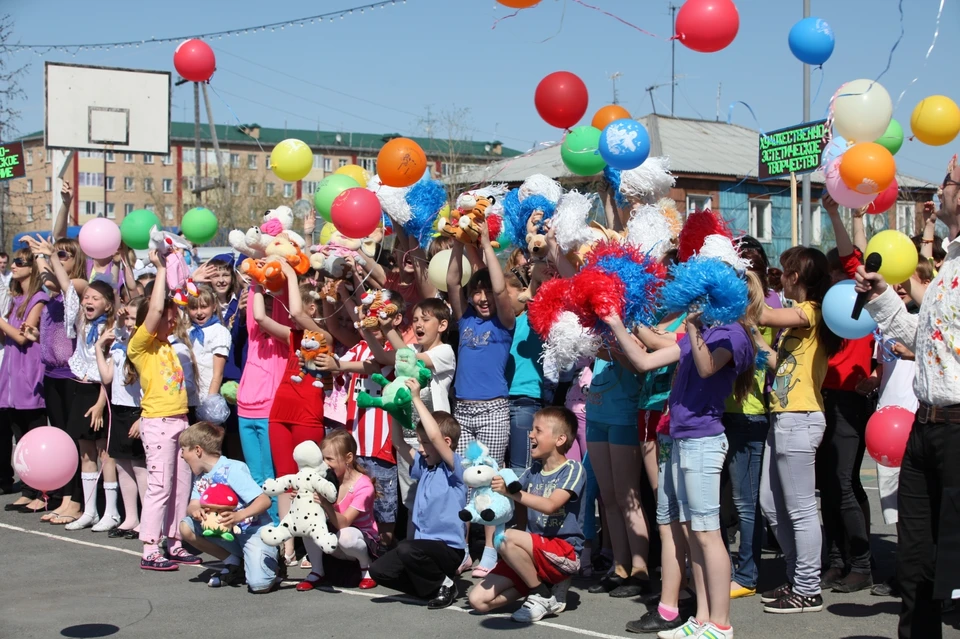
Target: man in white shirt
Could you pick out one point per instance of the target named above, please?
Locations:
(4, 273)
(928, 552)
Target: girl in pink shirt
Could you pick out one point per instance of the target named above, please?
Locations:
(351, 516)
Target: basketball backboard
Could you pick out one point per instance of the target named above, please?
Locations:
(96, 108)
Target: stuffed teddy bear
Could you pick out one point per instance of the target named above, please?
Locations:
(172, 249)
(312, 345)
(378, 306)
(306, 517)
(487, 507)
(266, 271)
(396, 398)
(464, 224)
(253, 243)
(216, 499)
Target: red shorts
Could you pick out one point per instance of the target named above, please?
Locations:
(555, 560)
(647, 421)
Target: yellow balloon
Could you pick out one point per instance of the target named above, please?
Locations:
(898, 253)
(445, 211)
(936, 120)
(358, 173)
(437, 270)
(291, 160)
(325, 232)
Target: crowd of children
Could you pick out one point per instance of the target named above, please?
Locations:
(650, 429)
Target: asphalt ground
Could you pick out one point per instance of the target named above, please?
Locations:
(55, 583)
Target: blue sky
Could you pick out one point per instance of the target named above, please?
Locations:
(381, 71)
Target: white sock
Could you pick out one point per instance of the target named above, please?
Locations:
(364, 573)
(89, 481)
(447, 581)
(111, 490)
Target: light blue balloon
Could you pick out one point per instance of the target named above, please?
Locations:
(624, 144)
(811, 41)
(837, 309)
(834, 149)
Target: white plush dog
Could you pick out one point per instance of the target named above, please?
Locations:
(306, 518)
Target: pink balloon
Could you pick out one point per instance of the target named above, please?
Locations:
(887, 432)
(46, 458)
(844, 195)
(99, 238)
(356, 213)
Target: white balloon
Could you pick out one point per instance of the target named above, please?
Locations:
(437, 270)
(862, 111)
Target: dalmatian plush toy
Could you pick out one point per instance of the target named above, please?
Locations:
(306, 518)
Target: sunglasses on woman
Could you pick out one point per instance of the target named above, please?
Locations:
(64, 255)
(20, 262)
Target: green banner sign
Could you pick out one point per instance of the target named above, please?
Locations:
(796, 149)
(11, 161)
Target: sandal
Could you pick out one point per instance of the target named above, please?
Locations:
(62, 520)
(53, 514)
(305, 564)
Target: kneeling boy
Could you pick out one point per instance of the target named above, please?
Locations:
(538, 563)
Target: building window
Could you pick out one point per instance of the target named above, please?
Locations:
(234, 160)
(342, 163)
(761, 220)
(49, 155)
(268, 162)
(167, 185)
(86, 178)
(816, 213)
(167, 159)
(190, 155)
(111, 211)
(698, 203)
(906, 217)
(29, 157)
(147, 184)
(252, 188)
(29, 186)
(29, 214)
(148, 158)
(109, 182)
(269, 189)
(148, 207)
(128, 184)
(128, 158)
(318, 161)
(168, 211)
(328, 165)
(287, 190)
(369, 164)
(251, 160)
(310, 187)
(48, 214)
(90, 154)
(109, 156)
(235, 188)
(47, 184)
(92, 208)
(127, 208)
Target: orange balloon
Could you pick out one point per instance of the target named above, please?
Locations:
(401, 163)
(868, 168)
(608, 114)
(519, 4)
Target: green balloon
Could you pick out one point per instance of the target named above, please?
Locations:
(892, 139)
(580, 151)
(199, 225)
(328, 190)
(135, 228)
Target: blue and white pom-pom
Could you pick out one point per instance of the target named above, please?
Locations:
(425, 199)
(648, 182)
(539, 184)
(612, 177)
(708, 285)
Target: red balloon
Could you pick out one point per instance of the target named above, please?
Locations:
(886, 199)
(561, 99)
(194, 60)
(887, 432)
(356, 213)
(707, 25)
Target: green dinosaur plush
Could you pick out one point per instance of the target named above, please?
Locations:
(396, 398)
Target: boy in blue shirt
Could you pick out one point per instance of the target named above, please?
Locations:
(425, 565)
(200, 448)
(539, 562)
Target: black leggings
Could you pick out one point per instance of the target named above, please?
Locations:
(17, 424)
(55, 399)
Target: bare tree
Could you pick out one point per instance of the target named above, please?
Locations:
(450, 131)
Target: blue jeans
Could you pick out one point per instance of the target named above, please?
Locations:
(255, 441)
(522, 410)
(696, 463)
(259, 560)
(746, 435)
(588, 506)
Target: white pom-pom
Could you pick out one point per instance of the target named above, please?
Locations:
(722, 248)
(569, 222)
(650, 231)
(569, 341)
(649, 182)
(539, 184)
(393, 200)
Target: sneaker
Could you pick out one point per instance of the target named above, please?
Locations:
(794, 602)
(653, 621)
(232, 574)
(772, 595)
(559, 592)
(632, 586)
(886, 589)
(710, 631)
(691, 628)
(179, 555)
(535, 608)
(446, 595)
(156, 561)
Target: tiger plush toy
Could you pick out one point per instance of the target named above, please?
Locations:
(312, 345)
(473, 209)
(378, 305)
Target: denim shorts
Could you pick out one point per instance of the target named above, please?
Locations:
(384, 475)
(620, 435)
(691, 488)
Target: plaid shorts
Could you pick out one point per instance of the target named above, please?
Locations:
(384, 475)
(487, 422)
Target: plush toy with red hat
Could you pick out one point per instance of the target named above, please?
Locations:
(216, 499)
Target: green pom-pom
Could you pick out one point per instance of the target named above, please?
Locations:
(229, 391)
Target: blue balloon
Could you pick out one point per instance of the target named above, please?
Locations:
(624, 144)
(834, 149)
(837, 308)
(811, 41)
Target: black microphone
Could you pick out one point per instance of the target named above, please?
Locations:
(872, 265)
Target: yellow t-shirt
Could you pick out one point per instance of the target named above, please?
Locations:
(802, 365)
(161, 377)
(754, 403)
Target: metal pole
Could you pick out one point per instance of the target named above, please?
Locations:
(673, 61)
(806, 225)
(196, 141)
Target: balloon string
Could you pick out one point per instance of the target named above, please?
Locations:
(926, 58)
(235, 117)
(750, 109)
(621, 20)
(819, 85)
(895, 45)
(506, 17)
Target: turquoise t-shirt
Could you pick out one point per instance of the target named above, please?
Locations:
(656, 384)
(614, 395)
(524, 369)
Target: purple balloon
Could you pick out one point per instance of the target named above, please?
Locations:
(844, 195)
(46, 458)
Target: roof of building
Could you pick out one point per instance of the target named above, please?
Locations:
(695, 147)
(348, 141)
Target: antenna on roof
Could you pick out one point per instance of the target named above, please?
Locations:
(719, 84)
(613, 78)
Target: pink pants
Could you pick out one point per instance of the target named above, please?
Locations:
(168, 478)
